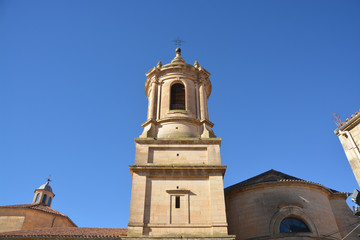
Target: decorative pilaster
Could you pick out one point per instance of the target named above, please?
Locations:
(202, 102)
(152, 101)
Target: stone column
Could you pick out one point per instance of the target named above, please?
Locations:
(158, 107)
(152, 101)
(206, 104)
(197, 101)
(202, 102)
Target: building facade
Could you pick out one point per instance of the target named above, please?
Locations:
(274, 205)
(177, 188)
(349, 136)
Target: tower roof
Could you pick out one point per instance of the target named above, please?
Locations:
(178, 61)
(176, 65)
(46, 187)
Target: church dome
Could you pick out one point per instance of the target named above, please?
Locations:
(46, 186)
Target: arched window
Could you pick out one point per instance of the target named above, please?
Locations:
(44, 199)
(37, 197)
(293, 225)
(49, 201)
(177, 98)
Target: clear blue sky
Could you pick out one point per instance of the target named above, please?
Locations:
(72, 91)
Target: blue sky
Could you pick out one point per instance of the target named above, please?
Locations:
(72, 91)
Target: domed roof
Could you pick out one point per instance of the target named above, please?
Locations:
(46, 187)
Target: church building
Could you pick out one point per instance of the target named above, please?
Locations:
(177, 182)
(39, 214)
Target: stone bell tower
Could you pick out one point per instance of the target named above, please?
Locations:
(44, 194)
(177, 176)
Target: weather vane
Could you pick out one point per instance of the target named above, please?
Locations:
(178, 42)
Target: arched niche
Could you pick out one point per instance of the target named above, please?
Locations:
(291, 211)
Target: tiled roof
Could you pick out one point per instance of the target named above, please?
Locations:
(38, 207)
(357, 113)
(272, 176)
(67, 232)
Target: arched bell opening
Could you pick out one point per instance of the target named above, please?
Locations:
(37, 198)
(44, 199)
(177, 97)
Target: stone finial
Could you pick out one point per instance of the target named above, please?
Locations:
(159, 65)
(196, 64)
(178, 57)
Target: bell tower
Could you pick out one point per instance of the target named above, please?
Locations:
(178, 94)
(177, 177)
(44, 194)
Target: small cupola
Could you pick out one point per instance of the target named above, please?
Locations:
(44, 194)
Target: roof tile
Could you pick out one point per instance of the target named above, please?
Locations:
(85, 232)
(37, 206)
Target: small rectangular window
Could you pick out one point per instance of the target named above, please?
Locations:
(177, 202)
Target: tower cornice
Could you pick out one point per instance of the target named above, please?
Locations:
(178, 140)
(349, 123)
(180, 170)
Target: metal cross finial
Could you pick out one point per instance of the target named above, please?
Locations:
(178, 42)
(49, 178)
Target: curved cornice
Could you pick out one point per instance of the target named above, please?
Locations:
(297, 183)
